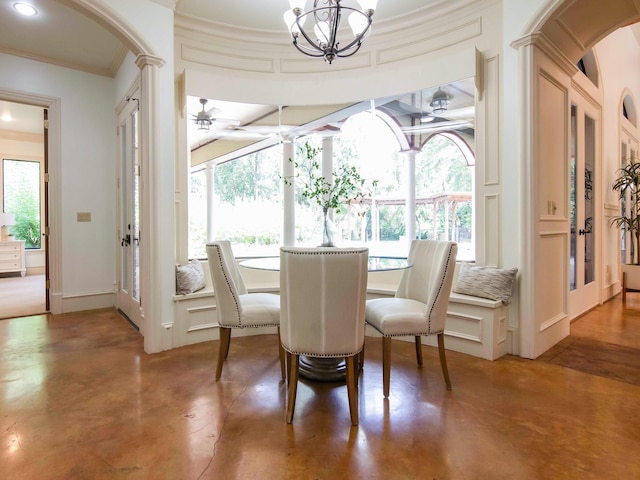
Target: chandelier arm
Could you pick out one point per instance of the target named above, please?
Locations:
(331, 49)
(358, 40)
(334, 28)
(339, 53)
(304, 48)
(307, 51)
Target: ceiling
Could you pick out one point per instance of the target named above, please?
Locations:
(61, 35)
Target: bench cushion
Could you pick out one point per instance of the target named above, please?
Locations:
(189, 277)
(485, 282)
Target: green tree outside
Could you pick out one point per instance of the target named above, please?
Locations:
(21, 187)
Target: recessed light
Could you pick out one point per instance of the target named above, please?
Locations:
(25, 9)
(6, 117)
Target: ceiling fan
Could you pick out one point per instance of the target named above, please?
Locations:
(205, 118)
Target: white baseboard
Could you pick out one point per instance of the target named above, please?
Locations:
(35, 270)
(90, 301)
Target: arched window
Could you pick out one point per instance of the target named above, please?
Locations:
(589, 67)
(241, 199)
(444, 192)
(629, 110)
(367, 142)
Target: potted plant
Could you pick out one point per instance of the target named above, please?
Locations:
(627, 184)
(345, 188)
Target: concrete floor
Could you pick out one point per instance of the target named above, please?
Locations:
(79, 399)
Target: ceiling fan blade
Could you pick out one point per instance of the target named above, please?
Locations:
(237, 135)
(438, 126)
(458, 113)
(226, 121)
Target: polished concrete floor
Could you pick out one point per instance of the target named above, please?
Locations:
(79, 399)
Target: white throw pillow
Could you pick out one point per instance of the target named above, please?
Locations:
(189, 277)
(486, 282)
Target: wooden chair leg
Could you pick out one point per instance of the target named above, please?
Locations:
(361, 360)
(288, 360)
(283, 368)
(443, 360)
(419, 350)
(386, 364)
(223, 349)
(352, 388)
(293, 386)
(227, 344)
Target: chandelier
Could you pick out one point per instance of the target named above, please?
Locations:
(325, 17)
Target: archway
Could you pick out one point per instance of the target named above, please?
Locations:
(551, 46)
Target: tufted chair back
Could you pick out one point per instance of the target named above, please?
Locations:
(322, 300)
(227, 283)
(429, 279)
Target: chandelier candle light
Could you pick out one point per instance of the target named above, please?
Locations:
(325, 16)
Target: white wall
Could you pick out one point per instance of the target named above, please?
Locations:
(618, 56)
(87, 168)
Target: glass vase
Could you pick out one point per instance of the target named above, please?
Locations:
(328, 233)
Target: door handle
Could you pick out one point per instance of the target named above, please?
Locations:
(126, 240)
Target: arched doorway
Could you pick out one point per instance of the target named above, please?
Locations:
(551, 48)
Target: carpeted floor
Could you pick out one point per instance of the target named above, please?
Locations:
(617, 362)
(21, 296)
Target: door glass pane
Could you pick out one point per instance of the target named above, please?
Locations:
(589, 198)
(623, 209)
(135, 227)
(21, 187)
(124, 278)
(574, 206)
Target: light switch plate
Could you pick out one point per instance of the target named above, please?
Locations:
(84, 216)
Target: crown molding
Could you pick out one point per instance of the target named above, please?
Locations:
(17, 136)
(105, 72)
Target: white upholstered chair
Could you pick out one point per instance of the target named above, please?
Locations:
(420, 304)
(322, 300)
(235, 306)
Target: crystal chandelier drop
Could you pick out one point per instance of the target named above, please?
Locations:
(322, 38)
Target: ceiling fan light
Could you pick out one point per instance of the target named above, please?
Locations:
(203, 124)
(439, 101)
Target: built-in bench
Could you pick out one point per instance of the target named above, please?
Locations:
(475, 326)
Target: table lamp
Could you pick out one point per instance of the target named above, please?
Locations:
(6, 219)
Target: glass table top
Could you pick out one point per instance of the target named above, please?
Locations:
(376, 264)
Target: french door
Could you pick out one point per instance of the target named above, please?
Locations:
(583, 265)
(128, 293)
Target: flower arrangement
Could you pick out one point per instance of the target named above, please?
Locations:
(347, 187)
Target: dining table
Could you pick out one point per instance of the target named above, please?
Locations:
(327, 369)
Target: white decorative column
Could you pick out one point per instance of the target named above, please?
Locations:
(152, 238)
(211, 196)
(288, 194)
(327, 163)
(410, 207)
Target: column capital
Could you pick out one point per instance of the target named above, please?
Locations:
(145, 60)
